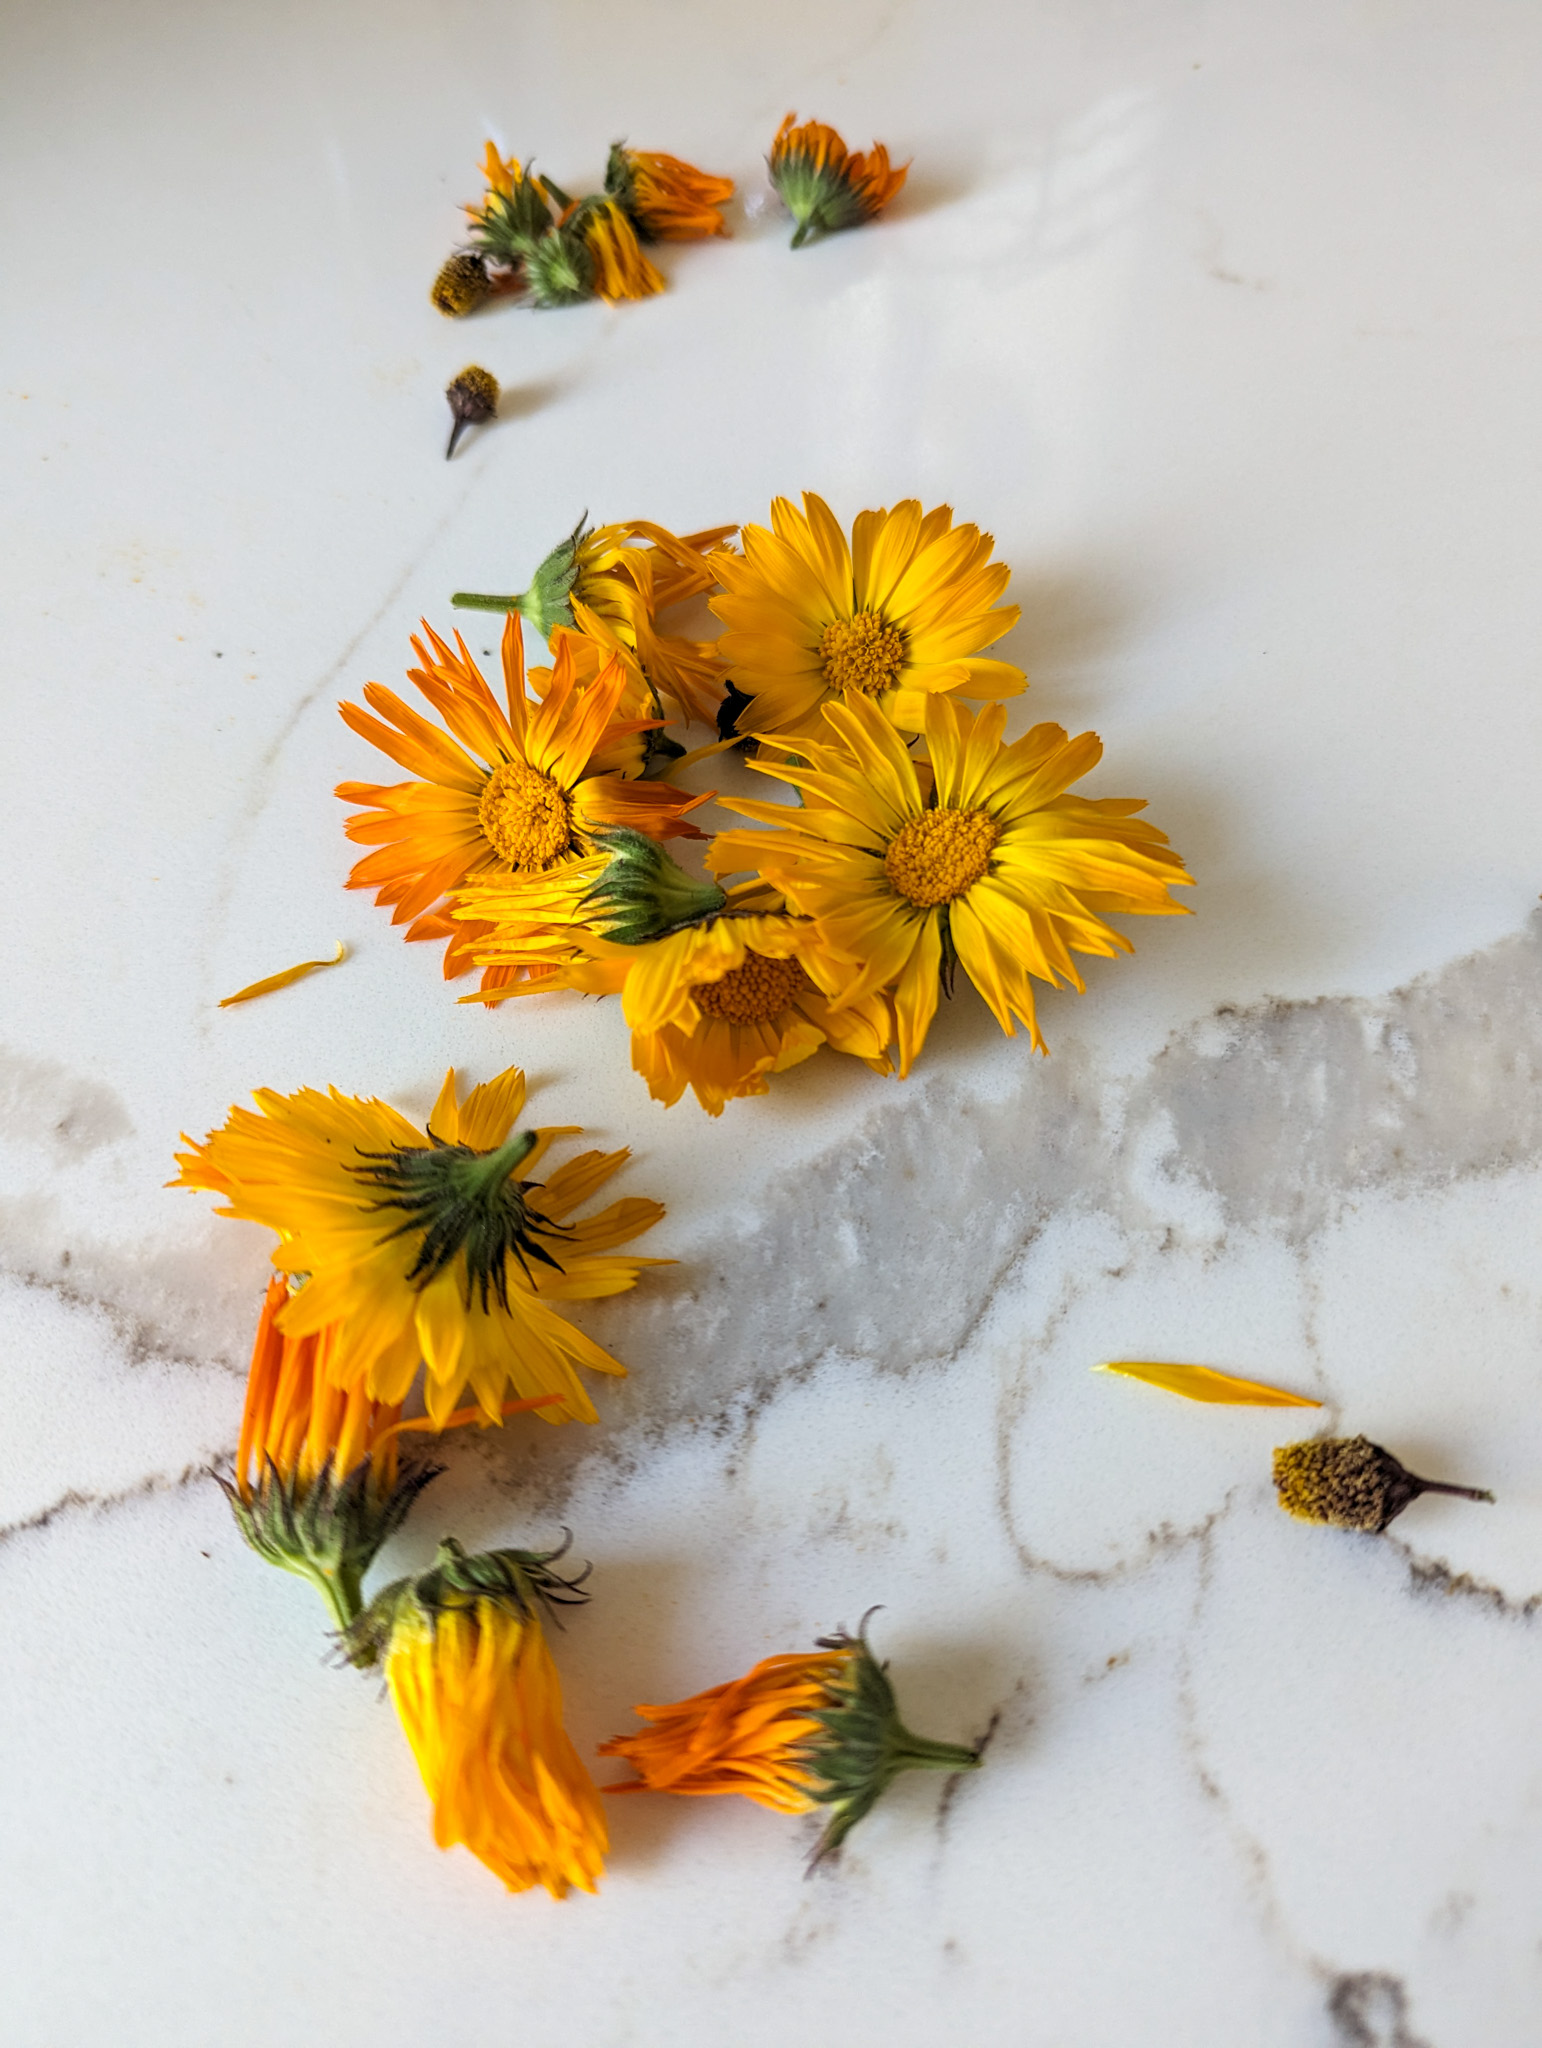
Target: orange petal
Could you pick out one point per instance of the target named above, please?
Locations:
(273, 981)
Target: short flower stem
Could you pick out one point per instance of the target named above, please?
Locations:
(343, 1592)
(1461, 1492)
(478, 601)
(918, 1753)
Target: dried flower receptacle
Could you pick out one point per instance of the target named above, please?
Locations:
(1350, 1483)
(473, 397)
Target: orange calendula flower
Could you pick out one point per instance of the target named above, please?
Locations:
(480, 1702)
(796, 1734)
(825, 186)
(435, 1247)
(621, 270)
(898, 616)
(516, 211)
(510, 790)
(667, 200)
(624, 575)
(987, 863)
(318, 1484)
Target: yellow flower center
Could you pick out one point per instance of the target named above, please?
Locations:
(934, 858)
(524, 816)
(753, 993)
(862, 653)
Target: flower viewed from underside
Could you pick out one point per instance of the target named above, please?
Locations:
(435, 1247)
(825, 186)
(480, 1703)
(987, 862)
(667, 200)
(506, 790)
(898, 616)
(796, 1734)
(516, 210)
(626, 574)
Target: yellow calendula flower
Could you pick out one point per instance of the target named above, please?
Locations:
(825, 186)
(517, 787)
(667, 200)
(982, 859)
(624, 576)
(515, 212)
(480, 1702)
(897, 617)
(431, 1246)
(796, 1734)
(621, 270)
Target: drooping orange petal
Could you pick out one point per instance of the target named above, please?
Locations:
(270, 982)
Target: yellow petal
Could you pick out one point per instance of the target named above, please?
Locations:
(273, 981)
(1203, 1383)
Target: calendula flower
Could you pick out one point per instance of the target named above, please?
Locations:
(461, 285)
(504, 790)
(625, 575)
(666, 200)
(796, 1734)
(473, 397)
(435, 1246)
(988, 862)
(823, 185)
(318, 1483)
(1351, 1483)
(621, 270)
(480, 1702)
(898, 617)
(516, 211)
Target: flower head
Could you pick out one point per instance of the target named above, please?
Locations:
(797, 1733)
(897, 617)
(473, 397)
(986, 862)
(509, 790)
(434, 1246)
(516, 210)
(480, 1702)
(621, 270)
(665, 199)
(823, 184)
(1351, 1483)
(624, 576)
(461, 285)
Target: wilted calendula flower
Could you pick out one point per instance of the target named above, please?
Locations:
(1351, 1483)
(795, 1734)
(480, 1702)
(665, 199)
(473, 396)
(823, 184)
(433, 1247)
(517, 209)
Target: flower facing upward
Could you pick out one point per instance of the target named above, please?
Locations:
(603, 573)
(825, 186)
(429, 1247)
(667, 200)
(994, 866)
(502, 791)
(795, 1734)
(480, 1702)
(898, 616)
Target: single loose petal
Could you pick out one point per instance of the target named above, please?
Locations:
(271, 982)
(1203, 1383)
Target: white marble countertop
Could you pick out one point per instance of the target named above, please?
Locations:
(1227, 322)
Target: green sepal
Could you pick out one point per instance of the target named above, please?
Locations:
(643, 894)
(463, 1201)
(559, 271)
(328, 1532)
(520, 1580)
(820, 199)
(546, 604)
(510, 224)
(865, 1745)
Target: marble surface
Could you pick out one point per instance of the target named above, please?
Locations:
(1227, 322)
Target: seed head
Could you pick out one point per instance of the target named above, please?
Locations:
(1351, 1483)
(473, 397)
(461, 286)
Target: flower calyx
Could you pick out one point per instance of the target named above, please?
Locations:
(1348, 1482)
(511, 223)
(547, 603)
(864, 1745)
(641, 894)
(328, 1531)
(521, 1581)
(461, 1201)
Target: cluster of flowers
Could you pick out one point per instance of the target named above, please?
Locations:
(531, 239)
(400, 1250)
(530, 837)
